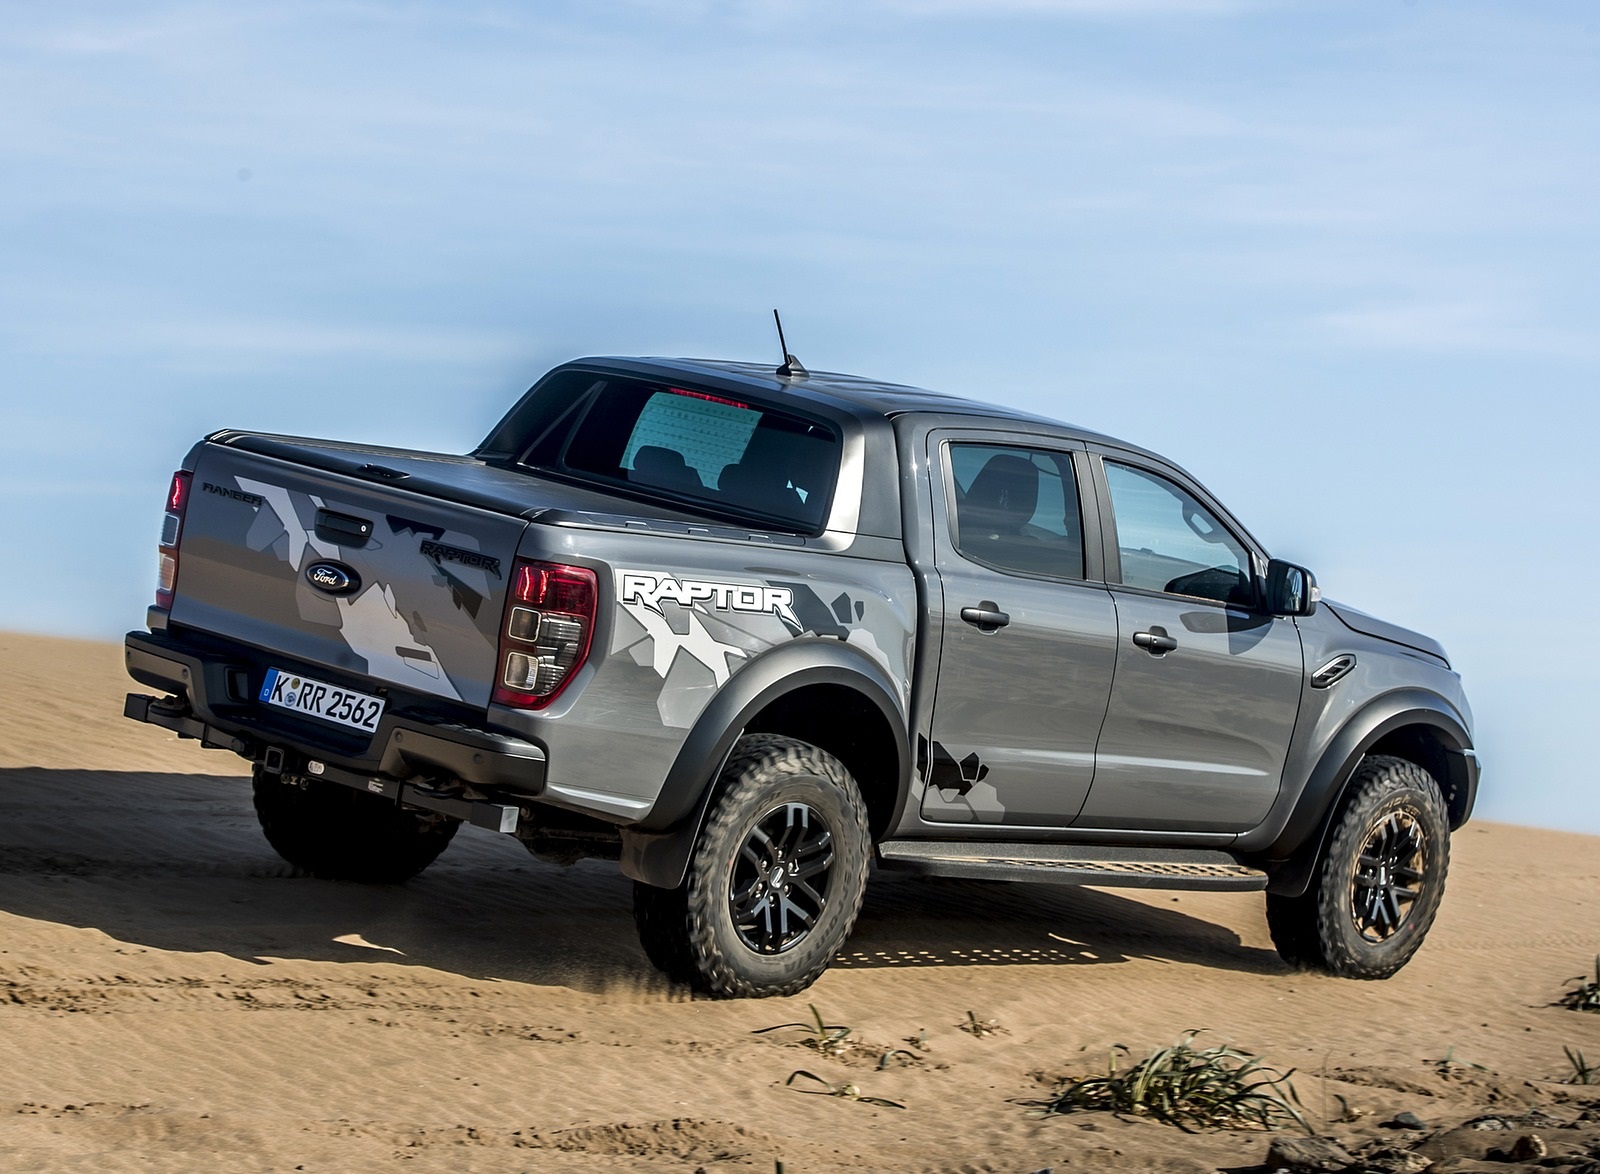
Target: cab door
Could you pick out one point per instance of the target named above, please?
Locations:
(1207, 683)
(1029, 634)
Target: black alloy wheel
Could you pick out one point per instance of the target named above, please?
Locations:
(1389, 875)
(781, 878)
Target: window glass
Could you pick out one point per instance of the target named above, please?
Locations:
(1017, 509)
(708, 435)
(691, 447)
(1169, 542)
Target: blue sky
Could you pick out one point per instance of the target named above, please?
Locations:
(1341, 260)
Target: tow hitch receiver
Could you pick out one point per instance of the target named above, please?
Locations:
(481, 813)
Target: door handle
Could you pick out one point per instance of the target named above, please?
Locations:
(986, 617)
(1156, 641)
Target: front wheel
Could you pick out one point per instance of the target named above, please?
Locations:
(1377, 888)
(776, 878)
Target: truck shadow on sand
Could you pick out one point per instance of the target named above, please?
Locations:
(177, 862)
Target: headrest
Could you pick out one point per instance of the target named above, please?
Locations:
(663, 467)
(1002, 497)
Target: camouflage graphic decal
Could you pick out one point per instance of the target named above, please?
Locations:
(371, 623)
(666, 626)
(398, 526)
(842, 620)
(695, 634)
(957, 792)
(949, 775)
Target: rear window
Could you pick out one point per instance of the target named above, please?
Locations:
(684, 445)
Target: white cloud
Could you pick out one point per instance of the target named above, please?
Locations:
(216, 341)
(1455, 327)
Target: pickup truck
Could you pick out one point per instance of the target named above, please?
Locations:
(750, 631)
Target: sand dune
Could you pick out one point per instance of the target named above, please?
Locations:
(173, 997)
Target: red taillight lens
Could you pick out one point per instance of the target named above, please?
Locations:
(171, 531)
(549, 623)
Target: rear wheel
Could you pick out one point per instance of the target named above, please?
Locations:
(1377, 888)
(660, 917)
(337, 833)
(1292, 922)
(775, 880)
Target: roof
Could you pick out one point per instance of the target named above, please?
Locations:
(852, 391)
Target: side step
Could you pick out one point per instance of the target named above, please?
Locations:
(1074, 864)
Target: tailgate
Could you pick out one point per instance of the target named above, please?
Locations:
(412, 588)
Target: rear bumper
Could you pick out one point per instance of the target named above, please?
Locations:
(214, 683)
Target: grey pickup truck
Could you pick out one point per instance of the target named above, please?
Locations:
(748, 631)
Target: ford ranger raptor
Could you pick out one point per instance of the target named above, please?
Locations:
(748, 632)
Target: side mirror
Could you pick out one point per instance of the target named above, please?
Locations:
(1291, 590)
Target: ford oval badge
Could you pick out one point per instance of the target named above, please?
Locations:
(332, 578)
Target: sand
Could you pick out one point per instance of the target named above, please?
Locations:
(173, 997)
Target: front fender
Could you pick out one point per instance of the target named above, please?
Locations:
(1293, 852)
(656, 849)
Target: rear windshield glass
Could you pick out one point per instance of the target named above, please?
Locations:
(685, 445)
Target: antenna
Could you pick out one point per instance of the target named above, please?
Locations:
(791, 368)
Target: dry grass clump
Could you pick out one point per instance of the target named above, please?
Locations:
(826, 1039)
(846, 1090)
(1584, 995)
(1583, 1072)
(974, 1026)
(1192, 1088)
(834, 1040)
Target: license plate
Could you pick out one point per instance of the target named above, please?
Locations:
(319, 699)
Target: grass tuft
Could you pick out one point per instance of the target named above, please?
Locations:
(1449, 1067)
(1584, 995)
(1192, 1088)
(1583, 1072)
(826, 1039)
(845, 1090)
(972, 1025)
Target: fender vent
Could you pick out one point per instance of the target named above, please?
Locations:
(1333, 672)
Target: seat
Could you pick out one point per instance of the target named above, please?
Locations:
(1000, 500)
(993, 521)
(762, 486)
(761, 480)
(664, 468)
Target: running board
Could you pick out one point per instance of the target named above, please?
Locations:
(1074, 864)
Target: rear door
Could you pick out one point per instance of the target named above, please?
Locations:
(1029, 636)
(1207, 684)
(427, 578)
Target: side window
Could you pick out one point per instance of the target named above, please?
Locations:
(1017, 509)
(1169, 542)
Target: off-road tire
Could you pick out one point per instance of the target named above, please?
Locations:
(1393, 811)
(337, 833)
(660, 917)
(768, 782)
(1292, 921)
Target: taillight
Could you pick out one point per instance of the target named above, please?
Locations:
(171, 531)
(545, 636)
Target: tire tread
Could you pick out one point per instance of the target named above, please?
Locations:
(1314, 930)
(676, 926)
